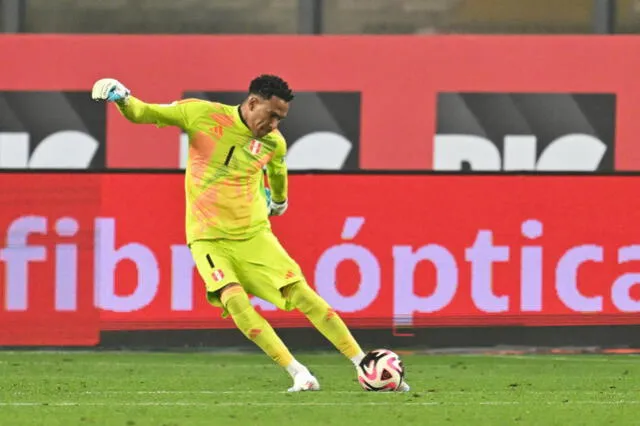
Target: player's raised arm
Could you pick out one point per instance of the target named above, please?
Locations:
(137, 111)
(277, 174)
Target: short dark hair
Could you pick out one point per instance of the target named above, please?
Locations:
(268, 86)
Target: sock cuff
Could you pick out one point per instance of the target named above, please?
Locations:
(294, 368)
(235, 299)
(230, 291)
(357, 358)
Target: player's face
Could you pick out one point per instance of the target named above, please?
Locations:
(265, 114)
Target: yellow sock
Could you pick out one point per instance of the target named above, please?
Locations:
(324, 318)
(254, 326)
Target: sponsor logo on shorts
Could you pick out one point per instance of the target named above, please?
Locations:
(289, 274)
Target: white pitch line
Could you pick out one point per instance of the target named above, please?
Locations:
(167, 365)
(326, 392)
(296, 404)
(231, 392)
(520, 392)
(614, 359)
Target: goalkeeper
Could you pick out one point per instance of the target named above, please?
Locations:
(227, 219)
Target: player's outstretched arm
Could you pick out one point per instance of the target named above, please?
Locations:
(278, 180)
(137, 111)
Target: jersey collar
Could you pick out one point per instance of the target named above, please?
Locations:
(240, 119)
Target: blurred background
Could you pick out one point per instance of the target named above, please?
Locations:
(525, 133)
(322, 16)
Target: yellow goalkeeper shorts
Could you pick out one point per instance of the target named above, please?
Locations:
(259, 264)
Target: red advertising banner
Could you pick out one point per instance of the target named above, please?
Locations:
(46, 290)
(402, 82)
(385, 251)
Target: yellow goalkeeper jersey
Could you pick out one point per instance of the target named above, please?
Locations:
(224, 175)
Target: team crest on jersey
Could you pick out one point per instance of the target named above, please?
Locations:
(217, 275)
(254, 147)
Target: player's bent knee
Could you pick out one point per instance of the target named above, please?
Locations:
(234, 298)
(236, 301)
(229, 286)
(303, 298)
(225, 292)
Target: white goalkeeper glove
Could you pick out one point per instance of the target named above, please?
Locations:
(277, 209)
(110, 90)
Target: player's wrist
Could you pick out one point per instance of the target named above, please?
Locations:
(278, 208)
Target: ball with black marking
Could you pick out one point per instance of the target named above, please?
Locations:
(380, 370)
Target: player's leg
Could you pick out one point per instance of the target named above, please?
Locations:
(271, 274)
(327, 322)
(224, 290)
(324, 319)
(253, 325)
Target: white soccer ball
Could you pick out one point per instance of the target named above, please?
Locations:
(380, 370)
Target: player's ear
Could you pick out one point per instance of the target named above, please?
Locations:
(253, 102)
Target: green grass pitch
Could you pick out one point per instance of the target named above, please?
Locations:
(141, 388)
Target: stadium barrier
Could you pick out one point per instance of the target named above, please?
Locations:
(398, 102)
(106, 252)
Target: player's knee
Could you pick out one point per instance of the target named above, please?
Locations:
(306, 300)
(234, 298)
(231, 287)
(236, 301)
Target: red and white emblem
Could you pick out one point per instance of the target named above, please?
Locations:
(255, 147)
(218, 275)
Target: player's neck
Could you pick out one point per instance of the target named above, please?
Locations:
(241, 114)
